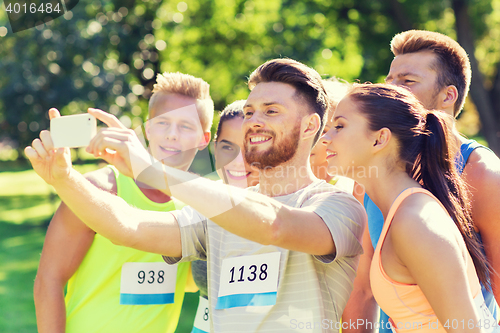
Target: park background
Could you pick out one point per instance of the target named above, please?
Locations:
(106, 54)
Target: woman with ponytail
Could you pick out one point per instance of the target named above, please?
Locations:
(427, 265)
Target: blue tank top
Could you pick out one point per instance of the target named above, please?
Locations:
(376, 222)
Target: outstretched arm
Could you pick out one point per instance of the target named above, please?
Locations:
(247, 214)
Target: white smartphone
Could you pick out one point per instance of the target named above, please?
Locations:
(73, 131)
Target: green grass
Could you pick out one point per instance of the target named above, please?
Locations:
(20, 249)
(26, 206)
(26, 199)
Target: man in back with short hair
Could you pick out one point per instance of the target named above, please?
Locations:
(436, 69)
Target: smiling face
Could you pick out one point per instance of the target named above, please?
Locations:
(231, 166)
(348, 141)
(415, 72)
(272, 124)
(174, 131)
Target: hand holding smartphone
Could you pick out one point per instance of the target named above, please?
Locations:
(73, 131)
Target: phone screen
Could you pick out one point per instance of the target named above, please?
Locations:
(73, 131)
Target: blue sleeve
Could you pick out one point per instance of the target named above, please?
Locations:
(375, 220)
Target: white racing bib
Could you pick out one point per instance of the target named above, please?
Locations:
(144, 283)
(202, 318)
(249, 281)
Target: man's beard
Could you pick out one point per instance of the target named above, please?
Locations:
(278, 153)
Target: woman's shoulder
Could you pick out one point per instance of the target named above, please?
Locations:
(421, 220)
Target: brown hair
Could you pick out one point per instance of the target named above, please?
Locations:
(305, 80)
(190, 86)
(428, 149)
(452, 65)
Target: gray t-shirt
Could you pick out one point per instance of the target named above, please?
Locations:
(312, 290)
(199, 271)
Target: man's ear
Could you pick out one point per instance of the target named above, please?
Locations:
(382, 138)
(205, 140)
(313, 123)
(448, 97)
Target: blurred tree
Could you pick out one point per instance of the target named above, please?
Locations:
(106, 53)
(485, 86)
(474, 24)
(96, 55)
